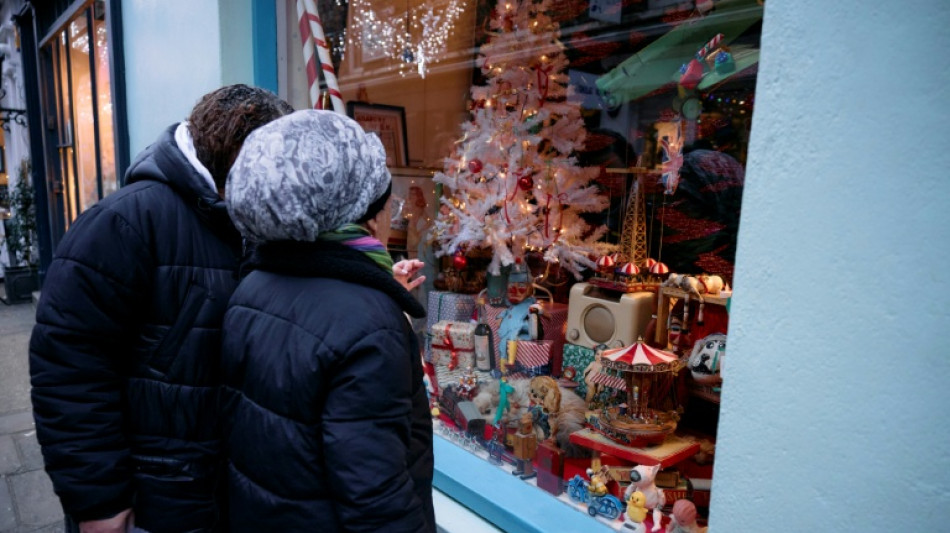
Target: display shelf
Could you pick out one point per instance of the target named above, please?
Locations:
(670, 452)
(663, 308)
(509, 503)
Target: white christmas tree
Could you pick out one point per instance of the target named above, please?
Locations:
(512, 184)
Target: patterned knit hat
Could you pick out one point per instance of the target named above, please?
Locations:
(304, 174)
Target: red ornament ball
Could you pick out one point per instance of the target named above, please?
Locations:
(459, 261)
(475, 165)
(525, 182)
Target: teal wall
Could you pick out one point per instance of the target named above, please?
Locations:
(835, 407)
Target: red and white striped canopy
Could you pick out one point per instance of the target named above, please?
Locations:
(628, 269)
(641, 357)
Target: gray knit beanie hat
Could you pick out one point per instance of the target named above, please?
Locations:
(303, 174)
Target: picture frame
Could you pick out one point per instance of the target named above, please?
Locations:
(414, 206)
(388, 122)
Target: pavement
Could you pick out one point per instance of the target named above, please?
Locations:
(27, 501)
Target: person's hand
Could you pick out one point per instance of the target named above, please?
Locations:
(120, 523)
(405, 269)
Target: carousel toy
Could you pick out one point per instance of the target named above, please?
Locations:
(646, 374)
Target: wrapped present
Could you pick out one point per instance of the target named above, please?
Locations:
(453, 344)
(444, 305)
(552, 326)
(576, 359)
(532, 358)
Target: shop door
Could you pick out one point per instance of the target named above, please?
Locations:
(79, 138)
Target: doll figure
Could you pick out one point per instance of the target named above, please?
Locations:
(504, 389)
(519, 283)
(598, 481)
(525, 446)
(683, 519)
(642, 479)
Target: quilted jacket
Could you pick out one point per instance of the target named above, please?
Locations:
(124, 354)
(326, 420)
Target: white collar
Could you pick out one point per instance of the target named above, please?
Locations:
(187, 146)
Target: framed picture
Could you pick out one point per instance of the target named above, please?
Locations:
(389, 123)
(413, 209)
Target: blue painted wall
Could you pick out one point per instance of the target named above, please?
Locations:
(835, 405)
(172, 57)
(178, 50)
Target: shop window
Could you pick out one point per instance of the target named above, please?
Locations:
(593, 152)
(79, 112)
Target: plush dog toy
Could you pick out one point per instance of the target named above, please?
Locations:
(642, 479)
(569, 415)
(546, 393)
(705, 362)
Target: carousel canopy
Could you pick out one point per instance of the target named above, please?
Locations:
(638, 357)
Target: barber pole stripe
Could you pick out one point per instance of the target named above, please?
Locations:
(710, 46)
(323, 52)
(308, 57)
(614, 382)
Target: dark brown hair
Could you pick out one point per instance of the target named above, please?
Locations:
(223, 118)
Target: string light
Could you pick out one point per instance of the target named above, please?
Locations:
(418, 38)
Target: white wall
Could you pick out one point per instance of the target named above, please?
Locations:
(172, 58)
(836, 412)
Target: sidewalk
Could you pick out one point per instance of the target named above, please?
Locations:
(27, 502)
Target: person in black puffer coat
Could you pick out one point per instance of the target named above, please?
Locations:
(124, 354)
(327, 426)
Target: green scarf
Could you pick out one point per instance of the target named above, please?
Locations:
(359, 238)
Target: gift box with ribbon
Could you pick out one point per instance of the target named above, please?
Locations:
(552, 320)
(453, 344)
(531, 358)
(444, 305)
(576, 360)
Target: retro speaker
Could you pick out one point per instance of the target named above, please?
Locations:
(597, 316)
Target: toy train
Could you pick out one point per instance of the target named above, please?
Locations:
(463, 412)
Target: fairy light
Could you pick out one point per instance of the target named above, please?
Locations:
(418, 37)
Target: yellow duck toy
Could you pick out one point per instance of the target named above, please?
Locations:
(636, 512)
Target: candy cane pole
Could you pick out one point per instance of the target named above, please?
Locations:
(320, 40)
(710, 46)
(308, 57)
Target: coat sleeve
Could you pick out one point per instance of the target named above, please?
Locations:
(367, 436)
(78, 350)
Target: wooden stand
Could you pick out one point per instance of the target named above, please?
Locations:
(663, 309)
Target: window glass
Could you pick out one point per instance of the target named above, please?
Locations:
(81, 102)
(598, 150)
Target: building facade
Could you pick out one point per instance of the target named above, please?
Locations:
(830, 416)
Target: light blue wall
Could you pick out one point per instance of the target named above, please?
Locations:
(172, 58)
(178, 50)
(836, 409)
(237, 42)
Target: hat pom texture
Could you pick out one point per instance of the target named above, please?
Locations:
(304, 174)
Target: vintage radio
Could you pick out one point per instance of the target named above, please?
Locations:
(600, 316)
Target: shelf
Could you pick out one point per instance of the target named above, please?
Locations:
(663, 308)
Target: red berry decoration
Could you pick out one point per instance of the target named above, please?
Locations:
(475, 165)
(459, 261)
(525, 182)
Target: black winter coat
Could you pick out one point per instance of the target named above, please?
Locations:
(326, 419)
(124, 354)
